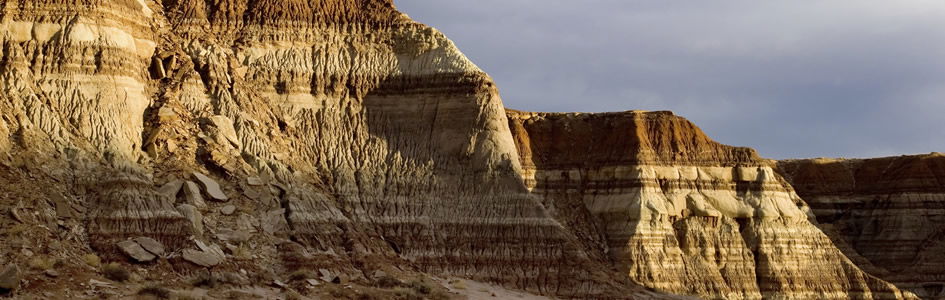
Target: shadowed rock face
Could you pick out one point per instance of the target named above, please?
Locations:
(342, 136)
(681, 213)
(374, 144)
(889, 211)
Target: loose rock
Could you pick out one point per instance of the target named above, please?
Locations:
(171, 188)
(254, 181)
(9, 278)
(193, 215)
(211, 187)
(151, 245)
(233, 235)
(135, 251)
(274, 221)
(228, 210)
(193, 196)
(202, 258)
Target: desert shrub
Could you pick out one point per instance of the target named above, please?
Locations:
(458, 284)
(300, 275)
(204, 279)
(92, 260)
(116, 272)
(388, 282)
(42, 263)
(421, 287)
(156, 291)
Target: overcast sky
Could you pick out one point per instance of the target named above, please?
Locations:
(791, 78)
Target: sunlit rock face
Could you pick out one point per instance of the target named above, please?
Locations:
(340, 135)
(349, 137)
(681, 213)
(888, 211)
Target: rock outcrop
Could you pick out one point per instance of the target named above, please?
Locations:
(381, 145)
(681, 213)
(342, 136)
(887, 211)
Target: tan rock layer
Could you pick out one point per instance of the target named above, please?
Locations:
(385, 146)
(682, 213)
(889, 210)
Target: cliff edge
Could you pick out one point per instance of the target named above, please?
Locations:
(337, 148)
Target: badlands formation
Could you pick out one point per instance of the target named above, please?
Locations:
(338, 149)
(887, 213)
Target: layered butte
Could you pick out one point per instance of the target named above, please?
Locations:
(342, 137)
(681, 213)
(888, 211)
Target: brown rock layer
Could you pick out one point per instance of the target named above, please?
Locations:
(681, 213)
(375, 144)
(889, 210)
(346, 137)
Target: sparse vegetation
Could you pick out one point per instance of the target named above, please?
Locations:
(242, 252)
(92, 260)
(42, 263)
(458, 284)
(115, 271)
(302, 274)
(293, 295)
(421, 287)
(388, 282)
(204, 279)
(157, 291)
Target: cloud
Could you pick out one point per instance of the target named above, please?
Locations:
(850, 78)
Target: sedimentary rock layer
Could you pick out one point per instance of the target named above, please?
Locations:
(889, 211)
(374, 142)
(340, 135)
(681, 213)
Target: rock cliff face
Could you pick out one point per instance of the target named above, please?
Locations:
(888, 211)
(347, 137)
(681, 213)
(265, 140)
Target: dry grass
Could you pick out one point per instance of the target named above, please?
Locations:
(157, 291)
(92, 260)
(115, 271)
(42, 263)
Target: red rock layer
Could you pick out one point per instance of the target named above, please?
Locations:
(681, 213)
(889, 210)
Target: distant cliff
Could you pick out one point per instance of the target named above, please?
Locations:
(890, 211)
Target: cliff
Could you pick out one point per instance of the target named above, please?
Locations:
(888, 210)
(681, 213)
(337, 148)
(263, 139)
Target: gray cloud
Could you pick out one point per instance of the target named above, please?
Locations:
(835, 78)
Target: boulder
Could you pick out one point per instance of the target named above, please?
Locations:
(193, 215)
(135, 251)
(211, 187)
(193, 196)
(226, 131)
(9, 278)
(151, 245)
(274, 221)
(202, 258)
(233, 235)
(255, 181)
(171, 189)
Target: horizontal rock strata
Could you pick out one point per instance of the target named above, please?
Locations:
(381, 144)
(889, 210)
(683, 214)
(342, 136)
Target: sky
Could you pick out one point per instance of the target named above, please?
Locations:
(790, 78)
